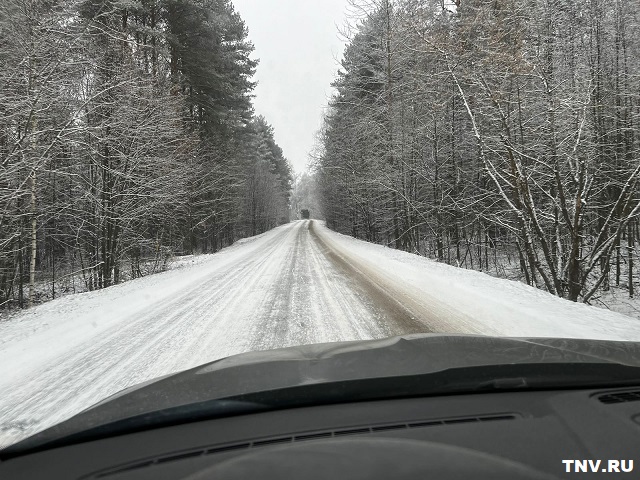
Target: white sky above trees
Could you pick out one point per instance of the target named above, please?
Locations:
(299, 47)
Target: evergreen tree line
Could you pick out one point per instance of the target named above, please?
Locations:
(490, 134)
(127, 135)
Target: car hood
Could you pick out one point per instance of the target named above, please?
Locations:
(335, 362)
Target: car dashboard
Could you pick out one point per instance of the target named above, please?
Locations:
(523, 434)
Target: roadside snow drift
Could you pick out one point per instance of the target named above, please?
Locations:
(467, 301)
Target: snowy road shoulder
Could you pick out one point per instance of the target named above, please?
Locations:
(466, 301)
(50, 330)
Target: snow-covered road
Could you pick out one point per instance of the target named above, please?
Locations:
(297, 284)
(278, 289)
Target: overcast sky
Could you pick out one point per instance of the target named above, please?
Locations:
(298, 45)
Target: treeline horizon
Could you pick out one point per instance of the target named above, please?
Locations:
(127, 135)
(481, 132)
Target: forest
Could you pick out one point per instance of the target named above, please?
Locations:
(127, 136)
(498, 135)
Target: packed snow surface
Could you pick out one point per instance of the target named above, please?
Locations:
(297, 284)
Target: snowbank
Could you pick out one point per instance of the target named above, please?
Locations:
(480, 303)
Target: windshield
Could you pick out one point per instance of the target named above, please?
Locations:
(185, 180)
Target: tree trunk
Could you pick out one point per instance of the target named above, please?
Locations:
(630, 253)
(34, 233)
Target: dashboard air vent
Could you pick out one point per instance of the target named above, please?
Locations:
(620, 397)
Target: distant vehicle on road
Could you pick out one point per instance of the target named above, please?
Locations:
(305, 214)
